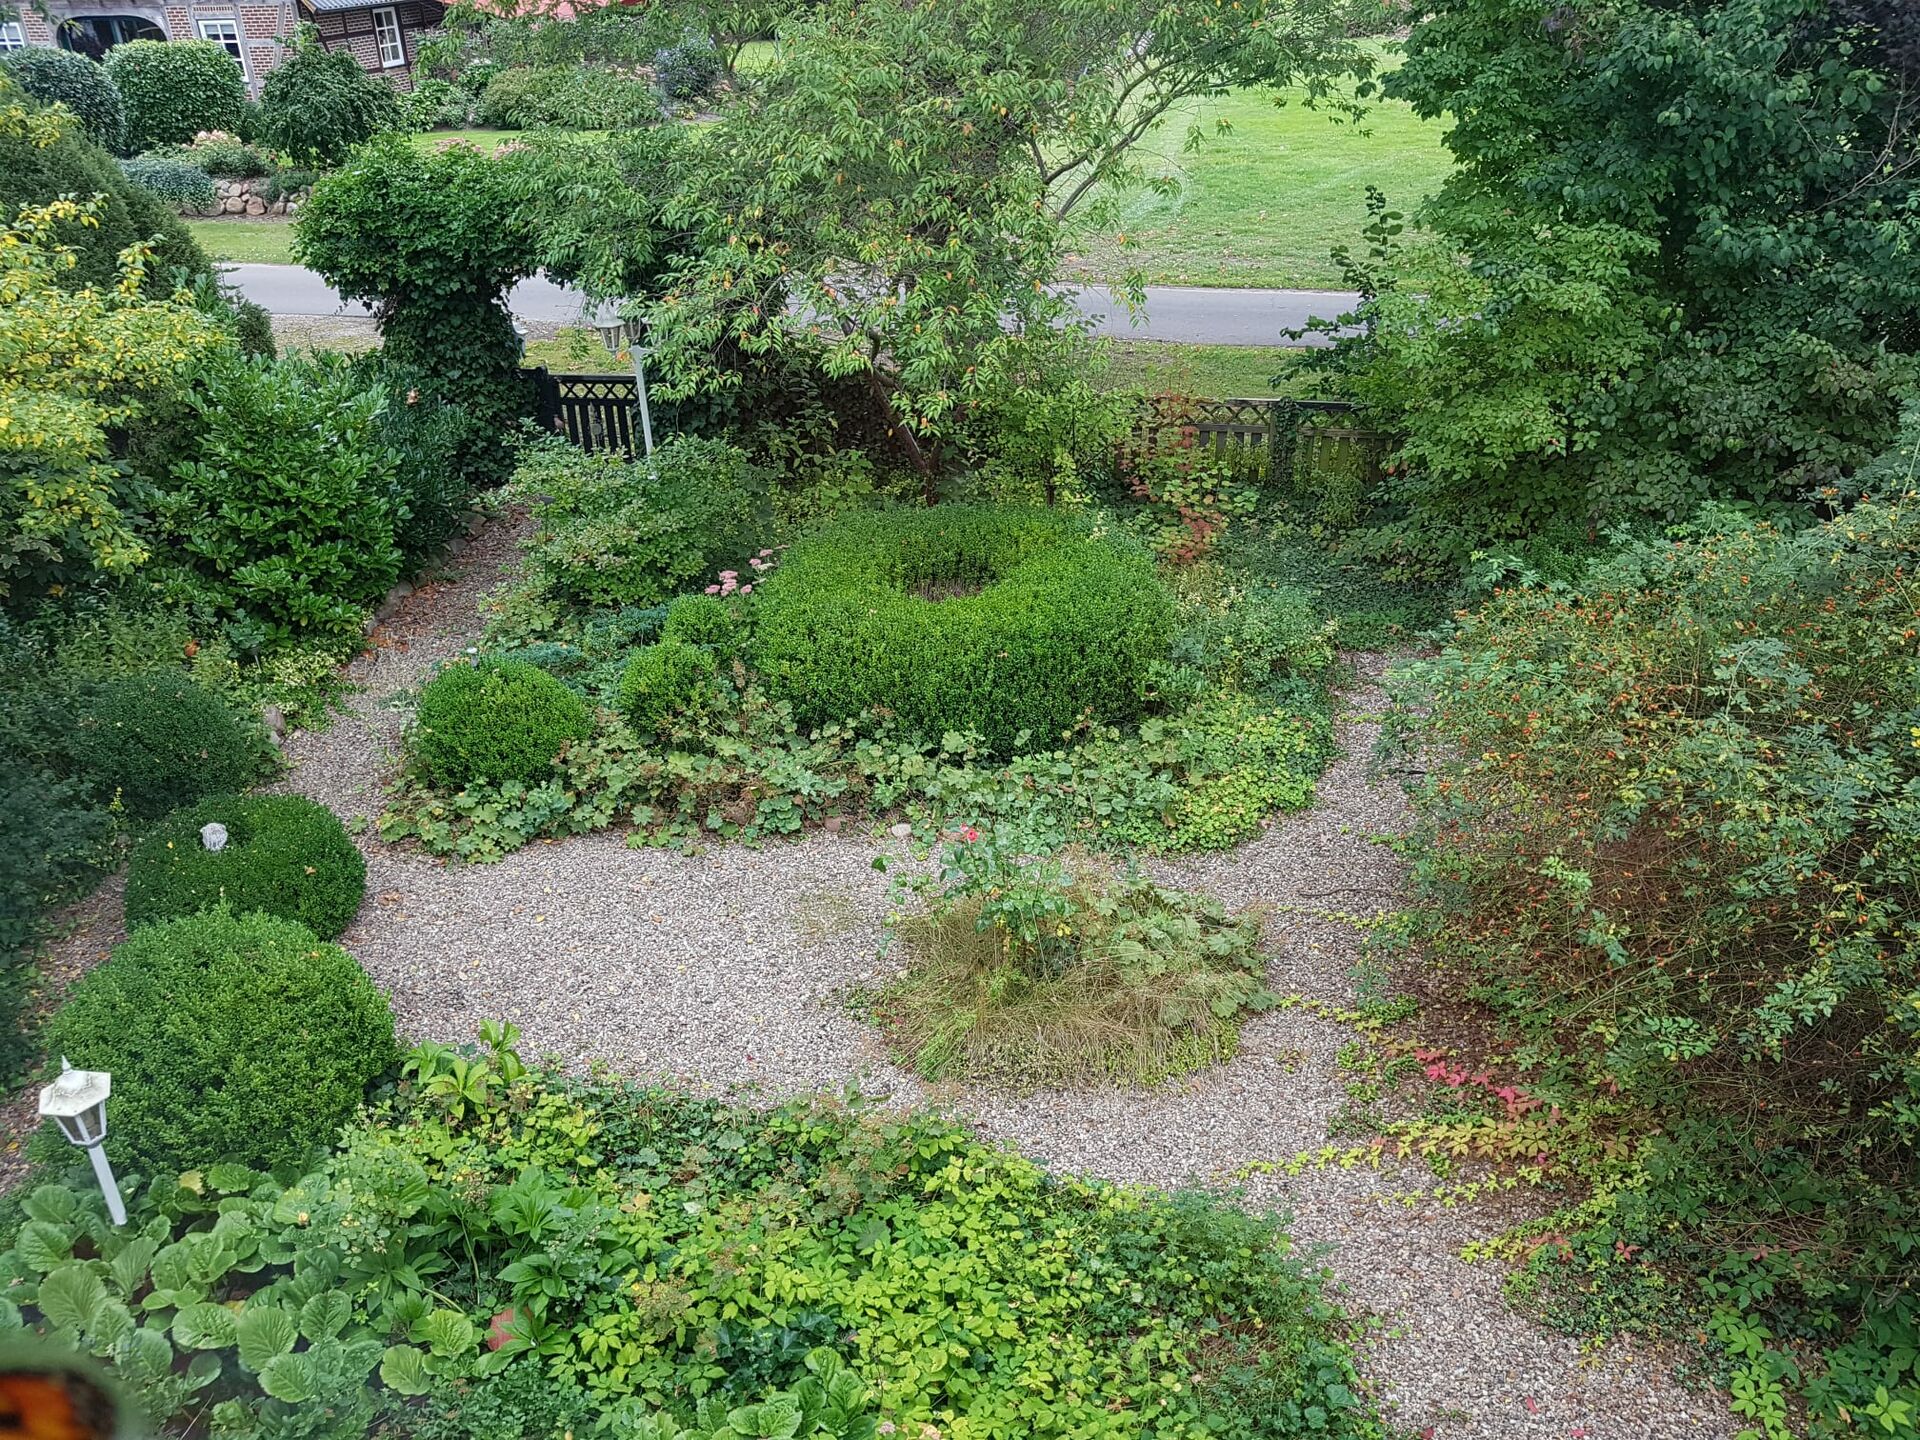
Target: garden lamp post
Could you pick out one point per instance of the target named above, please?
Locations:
(77, 1103)
(618, 335)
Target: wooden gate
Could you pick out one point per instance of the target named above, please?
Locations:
(595, 412)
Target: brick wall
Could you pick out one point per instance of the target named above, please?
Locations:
(264, 28)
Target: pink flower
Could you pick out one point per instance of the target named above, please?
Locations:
(746, 589)
(729, 574)
(713, 589)
(969, 834)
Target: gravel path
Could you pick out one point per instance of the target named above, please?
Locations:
(728, 970)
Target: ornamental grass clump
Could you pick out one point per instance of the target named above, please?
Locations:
(494, 720)
(1019, 624)
(283, 854)
(1027, 971)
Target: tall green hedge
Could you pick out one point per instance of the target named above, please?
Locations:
(173, 89)
(1016, 623)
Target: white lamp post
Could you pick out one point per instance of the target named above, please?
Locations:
(618, 335)
(77, 1103)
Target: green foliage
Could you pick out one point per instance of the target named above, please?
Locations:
(174, 89)
(432, 241)
(286, 504)
(158, 741)
(717, 625)
(664, 682)
(36, 169)
(435, 446)
(1668, 837)
(284, 854)
(571, 97)
(1013, 623)
(498, 720)
(58, 839)
(1041, 972)
(593, 204)
(228, 158)
(183, 186)
(435, 104)
(60, 77)
(613, 531)
(1606, 318)
(316, 105)
(230, 1038)
(688, 68)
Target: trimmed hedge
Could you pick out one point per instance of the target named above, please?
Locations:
(230, 1037)
(664, 681)
(173, 89)
(493, 719)
(60, 77)
(160, 741)
(285, 855)
(1015, 623)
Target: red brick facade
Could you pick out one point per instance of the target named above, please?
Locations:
(265, 28)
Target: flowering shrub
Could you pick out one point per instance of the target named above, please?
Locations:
(1669, 837)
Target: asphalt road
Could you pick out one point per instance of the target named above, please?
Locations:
(1178, 313)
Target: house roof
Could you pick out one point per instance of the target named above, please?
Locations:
(329, 7)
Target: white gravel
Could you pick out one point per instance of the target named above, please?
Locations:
(728, 970)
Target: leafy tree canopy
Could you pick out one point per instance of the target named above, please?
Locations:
(1679, 259)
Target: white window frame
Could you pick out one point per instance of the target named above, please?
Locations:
(235, 46)
(12, 36)
(399, 56)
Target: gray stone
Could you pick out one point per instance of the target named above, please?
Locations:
(213, 835)
(256, 206)
(233, 205)
(274, 718)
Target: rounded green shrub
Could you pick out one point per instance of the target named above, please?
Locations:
(284, 855)
(174, 89)
(707, 621)
(1015, 623)
(60, 77)
(664, 681)
(230, 1037)
(159, 741)
(493, 719)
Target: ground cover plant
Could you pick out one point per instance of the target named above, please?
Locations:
(654, 1265)
(283, 854)
(1668, 839)
(1038, 971)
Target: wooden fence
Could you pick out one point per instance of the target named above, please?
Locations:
(1288, 441)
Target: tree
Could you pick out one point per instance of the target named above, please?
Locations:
(1686, 236)
(431, 243)
(319, 104)
(73, 364)
(889, 195)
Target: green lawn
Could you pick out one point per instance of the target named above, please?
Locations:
(486, 140)
(1264, 203)
(1220, 372)
(249, 242)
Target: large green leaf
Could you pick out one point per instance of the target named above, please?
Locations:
(112, 1322)
(70, 1295)
(263, 1332)
(130, 1263)
(204, 1368)
(42, 1245)
(292, 1378)
(403, 1369)
(143, 1355)
(10, 1319)
(325, 1315)
(446, 1333)
(231, 1179)
(205, 1326)
(55, 1204)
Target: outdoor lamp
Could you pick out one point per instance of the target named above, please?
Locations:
(77, 1103)
(618, 335)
